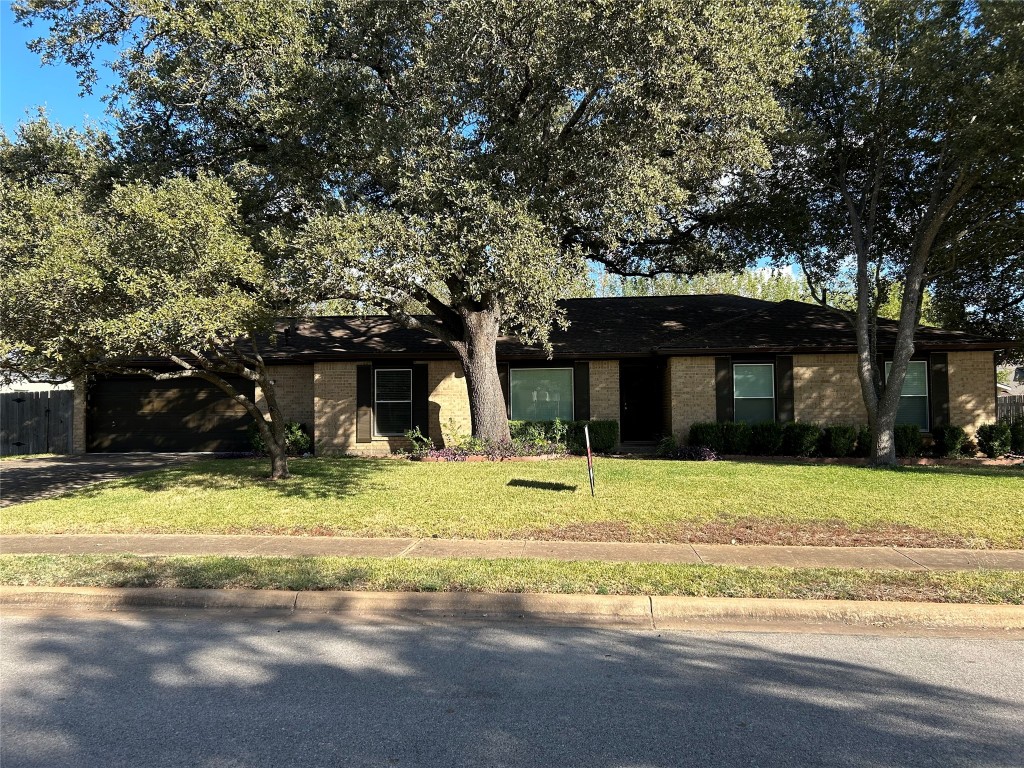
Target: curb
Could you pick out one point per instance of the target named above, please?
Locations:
(645, 612)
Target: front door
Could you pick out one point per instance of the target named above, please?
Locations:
(641, 400)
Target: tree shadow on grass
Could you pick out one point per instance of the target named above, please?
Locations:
(205, 689)
(540, 485)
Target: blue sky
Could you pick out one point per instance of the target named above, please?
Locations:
(25, 83)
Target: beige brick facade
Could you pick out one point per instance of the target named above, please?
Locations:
(972, 389)
(294, 385)
(449, 400)
(826, 390)
(691, 392)
(78, 439)
(604, 390)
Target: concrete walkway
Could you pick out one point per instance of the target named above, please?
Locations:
(898, 558)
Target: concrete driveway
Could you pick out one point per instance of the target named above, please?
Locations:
(31, 479)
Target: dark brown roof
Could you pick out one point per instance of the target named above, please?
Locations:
(622, 327)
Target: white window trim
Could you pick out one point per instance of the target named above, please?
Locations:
(375, 401)
(572, 387)
(927, 391)
(736, 397)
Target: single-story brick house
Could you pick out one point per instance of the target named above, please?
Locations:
(654, 364)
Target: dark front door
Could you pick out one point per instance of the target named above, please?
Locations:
(641, 400)
(138, 413)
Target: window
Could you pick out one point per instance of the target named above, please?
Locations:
(753, 392)
(541, 394)
(913, 408)
(392, 412)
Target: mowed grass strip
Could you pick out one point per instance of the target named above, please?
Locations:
(639, 499)
(508, 576)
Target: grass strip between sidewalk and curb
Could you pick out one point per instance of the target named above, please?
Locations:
(509, 576)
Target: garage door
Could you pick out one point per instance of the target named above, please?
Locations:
(128, 413)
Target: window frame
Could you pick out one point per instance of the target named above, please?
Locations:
(376, 432)
(774, 397)
(572, 387)
(927, 390)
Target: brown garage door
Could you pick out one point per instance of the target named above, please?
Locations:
(129, 413)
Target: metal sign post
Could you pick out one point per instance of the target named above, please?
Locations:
(590, 457)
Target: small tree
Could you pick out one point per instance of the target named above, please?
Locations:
(97, 276)
(452, 162)
(903, 167)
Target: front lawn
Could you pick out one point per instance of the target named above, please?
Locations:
(637, 500)
(513, 575)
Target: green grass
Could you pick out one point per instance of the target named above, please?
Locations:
(636, 500)
(24, 456)
(511, 576)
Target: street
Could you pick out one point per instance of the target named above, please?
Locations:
(203, 689)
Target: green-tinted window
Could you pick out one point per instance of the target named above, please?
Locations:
(753, 392)
(541, 394)
(392, 410)
(913, 407)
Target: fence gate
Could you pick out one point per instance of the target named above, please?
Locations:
(36, 422)
(1011, 408)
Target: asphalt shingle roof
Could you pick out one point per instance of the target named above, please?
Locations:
(624, 326)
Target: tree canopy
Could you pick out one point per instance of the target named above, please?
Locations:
(453, 163)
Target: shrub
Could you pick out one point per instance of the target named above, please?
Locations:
(863, 447)
(667, 448)
(735, 437)
(697, 453)
(1017, 438)
(421, 444)
(909, 443)
(800, 438)
(297, 440)
(766, 438)
(838, 440)
(950, 441)
(995, 440)
(707, 433)
(604, 434)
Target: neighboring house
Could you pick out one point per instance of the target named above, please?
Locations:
(1014, 384)
(655, 364)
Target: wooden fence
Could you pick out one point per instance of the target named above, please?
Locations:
(1011, 408)
(36, 422)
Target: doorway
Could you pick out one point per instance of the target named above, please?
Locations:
(641, 400)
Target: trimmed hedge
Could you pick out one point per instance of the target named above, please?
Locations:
(1017, 438)
(604, 434)
(766, 438)
(838, 440)
(995, 440)
(800, 438)
(909, 444)
(297, 440)
(708, 434)
(950, 441)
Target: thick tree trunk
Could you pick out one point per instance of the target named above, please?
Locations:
(272, 428)
(478, 353)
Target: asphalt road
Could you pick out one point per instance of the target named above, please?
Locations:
(173, 689)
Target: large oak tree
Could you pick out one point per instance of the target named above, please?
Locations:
(452, 162)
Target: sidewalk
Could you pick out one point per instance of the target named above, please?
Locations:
(891, 558)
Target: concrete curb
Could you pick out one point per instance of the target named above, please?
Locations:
(572, 610)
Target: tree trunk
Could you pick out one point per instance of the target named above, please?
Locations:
(478, 353)
(883, 441)
(272, 429)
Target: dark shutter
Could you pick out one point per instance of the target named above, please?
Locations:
(364, 403)
(938, 388)
(784, 409)
(723, 388)
(420, 398)
(581, 390)
(503, 377)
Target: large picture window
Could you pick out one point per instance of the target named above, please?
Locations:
(753, 392)
(541, 394)
(392, 407)
(913, 407)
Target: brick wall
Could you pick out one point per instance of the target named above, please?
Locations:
(78, 441)
(972, 389)
(826, 390)
(604, 389)
(294, 386)
(449, 399)
(691, 392)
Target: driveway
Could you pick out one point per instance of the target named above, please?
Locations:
(31, 479)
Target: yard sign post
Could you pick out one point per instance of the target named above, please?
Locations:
(590, 457)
